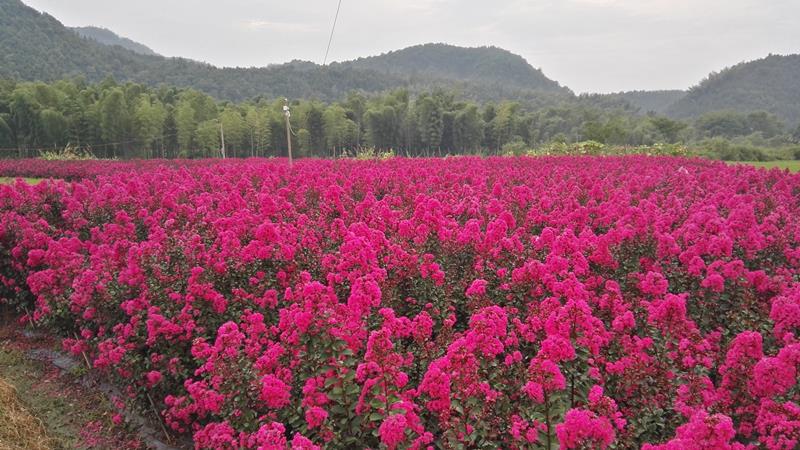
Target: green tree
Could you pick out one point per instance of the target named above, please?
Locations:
(115, 121)
(612, 131)
(315, 125)
(340, 132)
(208, 139)
(356, 107)
(24, 117)
(304, 141)
(382, 126)
(54, 128)
(150, 115)
(258, 129)
(468, 129)
(722, 123)
(6, 135)
(769, 125)
(430, 122)
(668, 128)
(503, 123)
(235, 127)
(170, 133)
(185, 125)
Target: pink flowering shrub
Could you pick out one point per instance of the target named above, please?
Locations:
(575, 303)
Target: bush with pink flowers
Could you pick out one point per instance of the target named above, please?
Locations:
(564, 302)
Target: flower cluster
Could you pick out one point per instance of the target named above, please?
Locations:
(557, 302)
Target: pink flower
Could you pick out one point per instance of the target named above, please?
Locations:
(772, 376)
(477, 288)
(702, 432)
(714, 282)
(584, 429)
(351, 299)
(392, 430)
(153, 377)
(274, 392)
(315, 416)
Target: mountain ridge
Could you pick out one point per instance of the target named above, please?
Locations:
(108, 37)
(479, 64)
(36, 46)
(770, 84)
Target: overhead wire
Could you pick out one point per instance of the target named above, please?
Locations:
(333, 29)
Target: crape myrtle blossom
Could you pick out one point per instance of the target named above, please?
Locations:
(522, 303)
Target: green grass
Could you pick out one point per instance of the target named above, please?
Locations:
(9, 180)
(793, 166)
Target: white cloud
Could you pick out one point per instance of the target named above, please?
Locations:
(286, 27)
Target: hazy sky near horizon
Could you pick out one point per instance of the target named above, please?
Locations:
(586, 45)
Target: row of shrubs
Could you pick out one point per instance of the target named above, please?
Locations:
(719, 149)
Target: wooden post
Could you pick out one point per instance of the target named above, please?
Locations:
(222, 138)
(288, 114)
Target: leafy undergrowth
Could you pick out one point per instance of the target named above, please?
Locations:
(54, 409)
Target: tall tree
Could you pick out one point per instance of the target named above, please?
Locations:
(24, 118)
(115, 121)
(207, 137)
(170, 133)
(54, 128)
(339, 130)
(430, 122)
(150, 115)
(315, 125)
(668, 128)
(185, 123)
(235, 129)
(468, 129)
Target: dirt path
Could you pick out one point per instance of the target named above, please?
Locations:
(56, 410)
(19, 429)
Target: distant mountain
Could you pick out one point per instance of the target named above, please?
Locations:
(770, 84)
(36, 46)
(482, 65)
(108, 37)
(649, 101)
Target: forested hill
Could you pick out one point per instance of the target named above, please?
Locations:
(36, 46)
(108, 37)
(769, 84)
(485, 65)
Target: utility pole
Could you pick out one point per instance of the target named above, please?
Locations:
(288, 114)
(222, 138)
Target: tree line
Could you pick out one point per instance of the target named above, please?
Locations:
(130, 120)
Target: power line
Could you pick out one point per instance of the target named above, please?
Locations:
(333, 28)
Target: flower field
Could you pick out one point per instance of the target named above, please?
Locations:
(81, 169)
(521, 303)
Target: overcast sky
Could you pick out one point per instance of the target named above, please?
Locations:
(587, 45)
